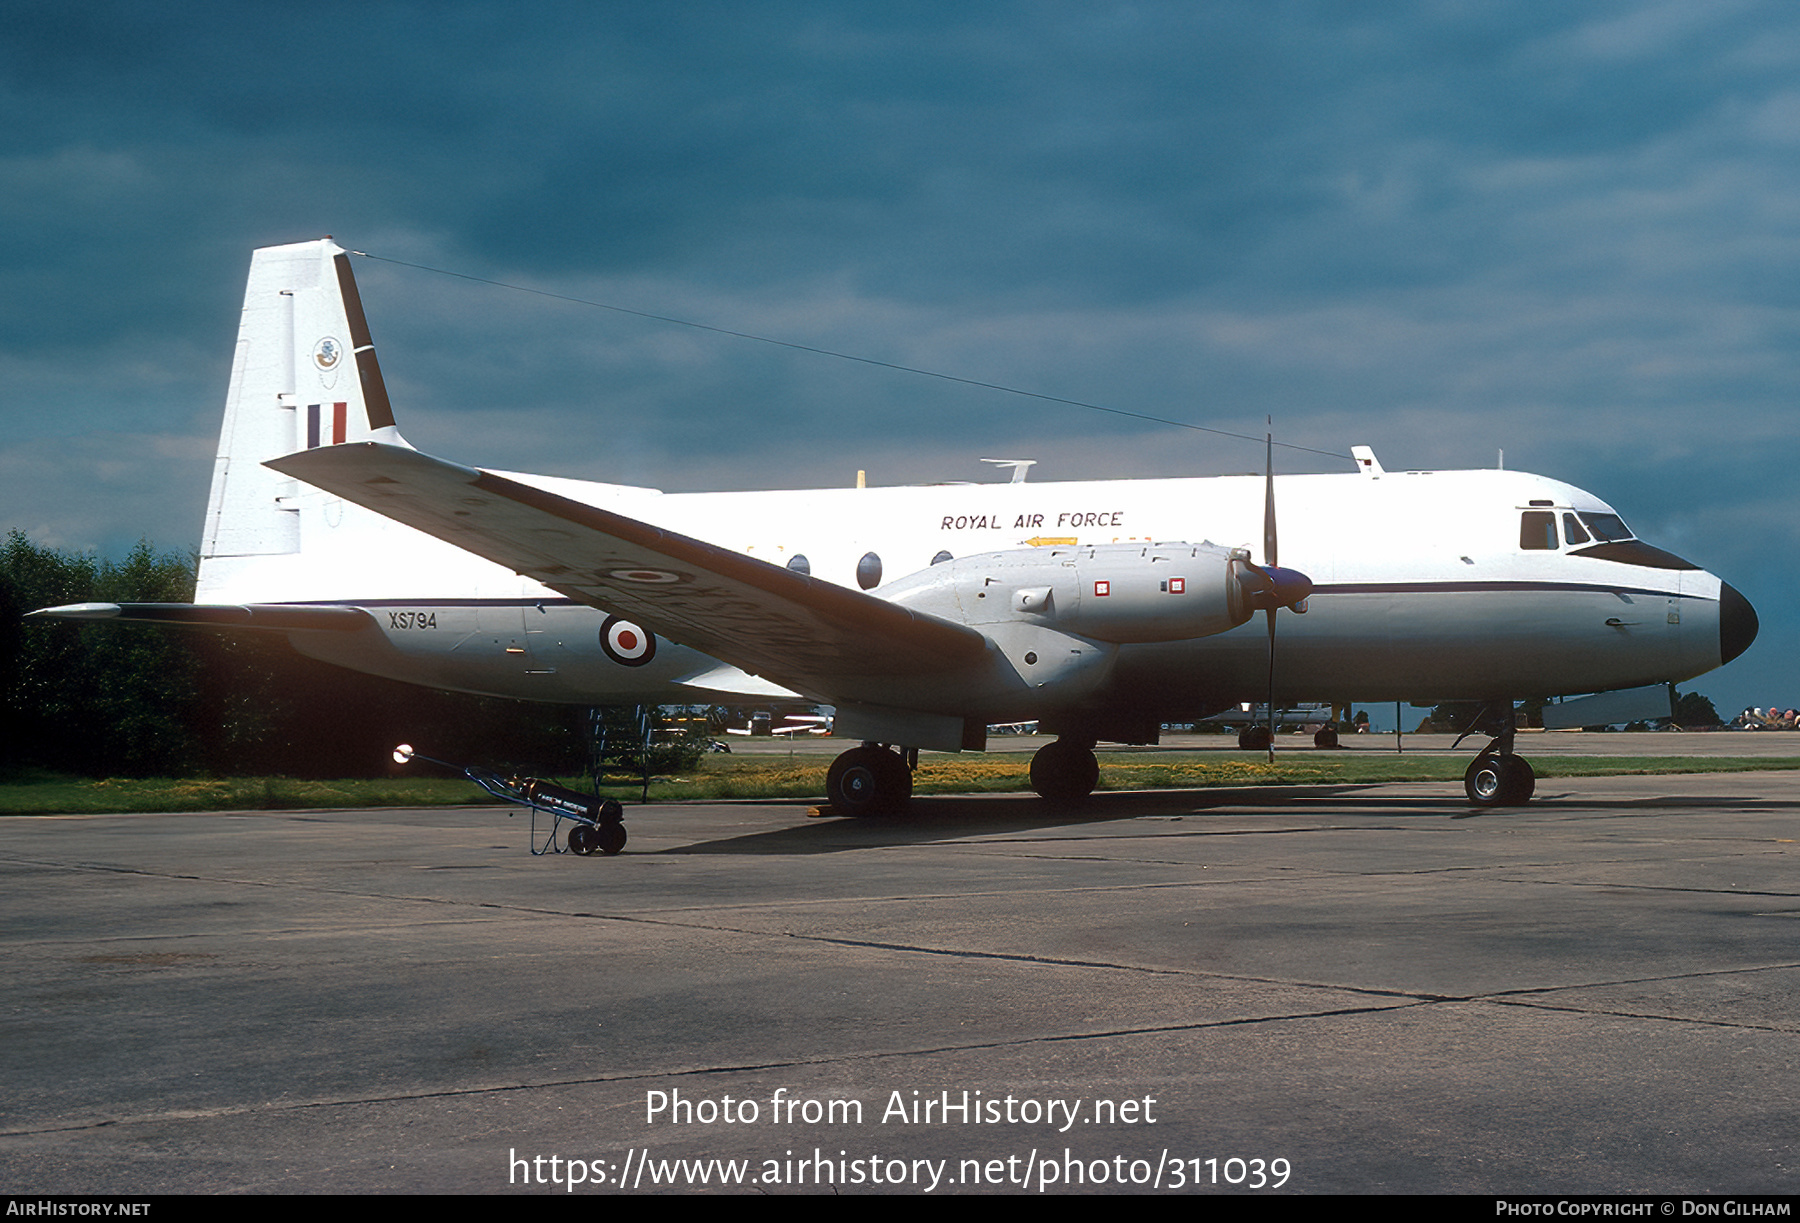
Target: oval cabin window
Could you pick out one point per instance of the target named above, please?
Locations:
(868, 571)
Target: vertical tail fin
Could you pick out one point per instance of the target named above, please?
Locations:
(304, 375)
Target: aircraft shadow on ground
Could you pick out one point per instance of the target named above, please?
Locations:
(955, 817)
(934, 819)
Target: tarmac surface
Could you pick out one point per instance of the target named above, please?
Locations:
(1376, 985)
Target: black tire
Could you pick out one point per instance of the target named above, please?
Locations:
(868, 781)
(1254, 738)
(581, 840)
(1499, 781)
(1485, 781)
(1521, 781)
(1325, 736)
(896, 780)
(1064, 772)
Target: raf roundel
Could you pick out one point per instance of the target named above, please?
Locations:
(625, 643)
(647, 577)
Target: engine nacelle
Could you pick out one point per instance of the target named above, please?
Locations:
(1118, 593)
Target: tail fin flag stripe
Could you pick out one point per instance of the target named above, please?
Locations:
(340, 425)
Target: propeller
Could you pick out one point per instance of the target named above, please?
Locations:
(1277, 587)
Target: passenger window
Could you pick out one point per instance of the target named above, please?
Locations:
(799, 564)
(1572, 531)
(1537, 530)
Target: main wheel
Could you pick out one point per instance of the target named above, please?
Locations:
(896, 779)
(1254, 738)
(868, 781)
(1325, 736)
(1064, 772)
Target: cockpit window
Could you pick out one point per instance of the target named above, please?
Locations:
(1572, 531)
(1537, 530)
(1607, 528)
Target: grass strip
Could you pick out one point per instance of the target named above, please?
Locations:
(804, 778)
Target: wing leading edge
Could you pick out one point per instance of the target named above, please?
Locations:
(766, 620)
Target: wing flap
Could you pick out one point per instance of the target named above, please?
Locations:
(756, 616)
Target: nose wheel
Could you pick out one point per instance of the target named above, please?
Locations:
(1499, 781)
(1496, 777)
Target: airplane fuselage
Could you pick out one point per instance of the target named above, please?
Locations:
(1422, 589)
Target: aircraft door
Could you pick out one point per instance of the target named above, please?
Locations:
(499, 635)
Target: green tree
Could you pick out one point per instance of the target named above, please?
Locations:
(87, 696)
(1692, 709)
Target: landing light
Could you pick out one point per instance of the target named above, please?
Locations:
(403, 753)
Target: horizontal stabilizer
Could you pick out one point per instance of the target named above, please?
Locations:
(760, 618)
(275, 616)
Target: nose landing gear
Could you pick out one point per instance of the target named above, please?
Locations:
(1496, 777)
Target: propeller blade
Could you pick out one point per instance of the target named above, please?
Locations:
(1270, 555)
(1271, 615)
(1269, 561)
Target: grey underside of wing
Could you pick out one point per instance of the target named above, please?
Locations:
(756, 616)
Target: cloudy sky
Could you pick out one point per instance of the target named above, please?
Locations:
(1445, 229)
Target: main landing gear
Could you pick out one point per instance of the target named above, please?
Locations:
(1065, 771)
(1256, 738)
(877, 780)
(871, 780)
(1496, 777)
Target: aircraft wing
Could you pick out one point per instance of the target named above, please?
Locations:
(756, 616)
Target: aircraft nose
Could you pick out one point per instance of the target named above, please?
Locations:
(1737, 623)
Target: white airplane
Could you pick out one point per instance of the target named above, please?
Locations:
(1096, 609)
